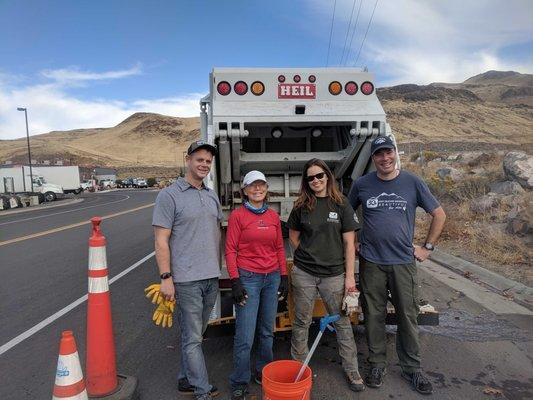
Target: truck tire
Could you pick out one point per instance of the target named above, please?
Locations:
(78, 191)
(50, 196)
(41, 197)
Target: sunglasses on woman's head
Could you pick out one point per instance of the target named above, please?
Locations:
(311, 178)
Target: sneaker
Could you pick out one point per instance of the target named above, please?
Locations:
(355, 382)
(419, 382)
(258, 378)
(184, 387)
(375, 378)
(238, 394)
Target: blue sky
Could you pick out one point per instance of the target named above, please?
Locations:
(83, 64)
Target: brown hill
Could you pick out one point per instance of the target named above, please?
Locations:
(141, 139)
(494, 109)
(508, 87)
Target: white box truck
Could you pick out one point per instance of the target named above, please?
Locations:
(16, 180)
(68, 177)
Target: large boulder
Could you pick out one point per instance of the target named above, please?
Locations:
(473, 158)
(518, 166)
(506, 187)
(485, 204)
(451, 173)
(520, 218)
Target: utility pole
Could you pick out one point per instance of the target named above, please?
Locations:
(28, 140)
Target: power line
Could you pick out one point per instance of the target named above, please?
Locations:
(367, 29)
(331, 31)
(353, 32)
(347, 32)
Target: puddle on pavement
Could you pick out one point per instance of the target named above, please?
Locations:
(484, 327)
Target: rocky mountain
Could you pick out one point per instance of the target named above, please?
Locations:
(507, 87)
(494, 109)
(490, 110)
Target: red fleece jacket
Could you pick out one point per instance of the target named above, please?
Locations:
(254, 242)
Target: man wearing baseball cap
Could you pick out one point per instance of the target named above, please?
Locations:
(387, 258)
(187, 242)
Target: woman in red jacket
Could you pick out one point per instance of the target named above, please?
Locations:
(255, 258)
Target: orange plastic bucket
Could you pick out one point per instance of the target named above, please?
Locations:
(278, 381)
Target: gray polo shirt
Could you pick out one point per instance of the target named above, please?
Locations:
(194, 217)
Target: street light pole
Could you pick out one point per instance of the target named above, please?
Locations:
(28, 140)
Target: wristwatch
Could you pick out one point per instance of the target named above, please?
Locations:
(165, 275)
(429, 246)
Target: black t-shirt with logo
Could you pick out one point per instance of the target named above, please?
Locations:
(321, 249)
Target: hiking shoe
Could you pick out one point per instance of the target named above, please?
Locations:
(238, 394)
(419, 382)
(206, 396)
(184, 387)
(375, 378)
(258, 378)
(355, 382)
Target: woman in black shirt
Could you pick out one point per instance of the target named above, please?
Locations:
(321, 230)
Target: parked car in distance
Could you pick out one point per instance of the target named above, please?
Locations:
(86, 184)
(107, 184)
(140, 183)
(127, 183)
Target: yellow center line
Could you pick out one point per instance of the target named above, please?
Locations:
(65, 227)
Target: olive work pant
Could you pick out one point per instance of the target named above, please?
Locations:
(401, 281)
(305, 288)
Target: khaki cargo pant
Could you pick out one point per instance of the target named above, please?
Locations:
(305, 288)
(401, 280)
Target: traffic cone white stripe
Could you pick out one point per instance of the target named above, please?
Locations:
(68, 370)
(98, 285)
(97, 258)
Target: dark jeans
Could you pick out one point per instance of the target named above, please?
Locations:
(401, 280)
(195, 301)
(257, 315)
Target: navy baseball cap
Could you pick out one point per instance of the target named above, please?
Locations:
(201, 144)
(381, 142)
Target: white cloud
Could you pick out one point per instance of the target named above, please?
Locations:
(73, 75)
(51, 107)
(420, 41)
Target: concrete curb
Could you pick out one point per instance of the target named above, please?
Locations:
(520, 293)
(42, 207)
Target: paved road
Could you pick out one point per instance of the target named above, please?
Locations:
(474, 348)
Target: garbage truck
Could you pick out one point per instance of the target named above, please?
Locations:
(275, 120)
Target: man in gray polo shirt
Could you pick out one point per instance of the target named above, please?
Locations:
(187, 245)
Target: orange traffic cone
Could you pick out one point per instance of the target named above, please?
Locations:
(69, 377)
(101, 366)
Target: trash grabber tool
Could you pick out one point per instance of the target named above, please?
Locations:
(324, 323)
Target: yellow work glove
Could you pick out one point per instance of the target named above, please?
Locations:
(163, 313)
(153, 292)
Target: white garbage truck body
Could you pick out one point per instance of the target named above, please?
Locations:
(276, 119)
(296, 114)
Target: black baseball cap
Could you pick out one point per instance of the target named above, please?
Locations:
(381, 142)
(201, 144)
